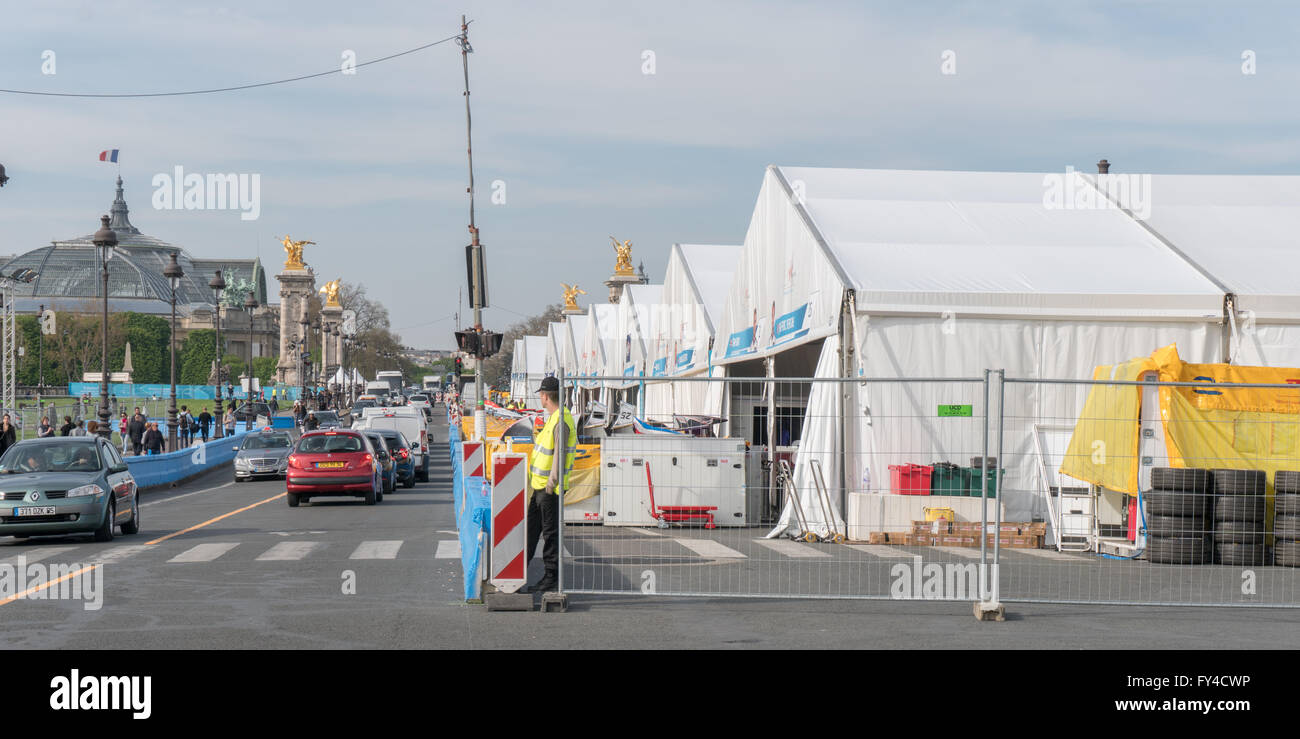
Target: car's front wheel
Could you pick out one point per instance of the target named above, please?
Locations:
(293, 499)
(105, 530)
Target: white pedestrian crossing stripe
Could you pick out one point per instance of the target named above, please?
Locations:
(881, 550)
(377, 550)
(117, 554)
(33, 554)
(205, 552)
(289, 550)
(448, 549)
(791, 548)
(710, 548)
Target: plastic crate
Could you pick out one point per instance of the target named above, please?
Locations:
(991, 482)
(950, 479)
(910, 479)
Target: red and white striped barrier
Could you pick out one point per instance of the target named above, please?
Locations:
(472, 458)
(509, 521)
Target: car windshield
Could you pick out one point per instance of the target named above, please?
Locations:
(419, 398)
(268, 441)
(23, 458)
(327, 416)
(323, 443)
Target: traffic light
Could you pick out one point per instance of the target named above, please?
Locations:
(491, 343)
(466, 341)
(460, 366)
(478, 344)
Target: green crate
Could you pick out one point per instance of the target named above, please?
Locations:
(950, 479)
(991, 482)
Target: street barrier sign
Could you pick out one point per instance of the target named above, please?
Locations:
(509, 567)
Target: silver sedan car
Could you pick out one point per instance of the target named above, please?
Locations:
(264, 454)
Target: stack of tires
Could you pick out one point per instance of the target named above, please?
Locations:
(1286, 518)
(1239, 499)
(1178, 519)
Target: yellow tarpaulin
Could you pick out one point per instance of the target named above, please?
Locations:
(1249, 428)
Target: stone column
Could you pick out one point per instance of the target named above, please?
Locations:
(296, 288)
(331, 315)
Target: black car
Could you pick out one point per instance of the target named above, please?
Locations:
(388, 465)
(250, 411)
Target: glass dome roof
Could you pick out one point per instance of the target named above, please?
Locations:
(71, 268)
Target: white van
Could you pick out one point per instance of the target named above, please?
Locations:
(408, 421)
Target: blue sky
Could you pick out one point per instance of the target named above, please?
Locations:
(372, 166)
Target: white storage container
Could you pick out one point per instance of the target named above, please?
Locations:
(686, 471)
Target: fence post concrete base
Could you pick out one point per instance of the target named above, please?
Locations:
(499, 601)
(555, 602)
(990, 611)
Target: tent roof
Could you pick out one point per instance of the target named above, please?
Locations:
(710, 268)
(535, 354)
(924, 241)
(1241, 229)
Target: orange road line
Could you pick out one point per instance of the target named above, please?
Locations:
(214, 520)
(39, 588)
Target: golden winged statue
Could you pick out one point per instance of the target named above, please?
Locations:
(294, 250)
(331, 292)
(624, 264)
(571, 293)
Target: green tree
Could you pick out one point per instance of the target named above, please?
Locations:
(150, 356)
(195, 357)
(264, 368)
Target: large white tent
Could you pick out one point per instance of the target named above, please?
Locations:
(636, 314)
(528, 369)
(575, 344)
(694, 292)
(943, 275)
(1241, 231)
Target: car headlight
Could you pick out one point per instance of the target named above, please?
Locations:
(241, 463)
(91, 489)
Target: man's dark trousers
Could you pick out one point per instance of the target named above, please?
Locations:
(544, 519)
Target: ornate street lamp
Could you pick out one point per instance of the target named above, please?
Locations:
(104, 240)
(250, 305)
(303, 325)
(173, 273)
(40, 342)
(218, 285)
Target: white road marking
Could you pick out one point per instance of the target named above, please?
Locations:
(448, 549)
(881, 550)
(289, 550)
(186, 495)
(34, 554)
(647, 532)
(377, 550)
(204, 552)
(117, 554)
(1045, 554)
(710, 548)
(790, 548)
(967, 552)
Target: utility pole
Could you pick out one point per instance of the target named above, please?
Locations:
(477, 292)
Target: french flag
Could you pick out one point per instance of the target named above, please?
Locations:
(109, 155)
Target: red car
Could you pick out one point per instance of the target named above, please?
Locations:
(335, 462)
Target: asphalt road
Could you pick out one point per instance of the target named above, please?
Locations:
(221, 565)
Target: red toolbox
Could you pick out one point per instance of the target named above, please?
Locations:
(910, 479)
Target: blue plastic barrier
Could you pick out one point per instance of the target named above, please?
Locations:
(183, 392)
(474, 522)
(163, 469)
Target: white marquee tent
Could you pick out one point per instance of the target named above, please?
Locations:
(943, 275)
(694, 291)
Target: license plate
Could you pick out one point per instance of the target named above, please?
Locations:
(48, 510)
(330, 465)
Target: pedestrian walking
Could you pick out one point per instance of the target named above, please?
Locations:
(8, 434)
(121, 430)
(46, 430)
(67, 427)
(136, 430)
(152, 439)
(205, 423)
(79, 429)
(229, 421)
(544, 475)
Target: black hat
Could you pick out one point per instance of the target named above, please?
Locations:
(550, 383)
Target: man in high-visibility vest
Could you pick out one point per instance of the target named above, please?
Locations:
(558, 436)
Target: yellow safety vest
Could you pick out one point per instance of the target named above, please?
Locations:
(543, 455)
